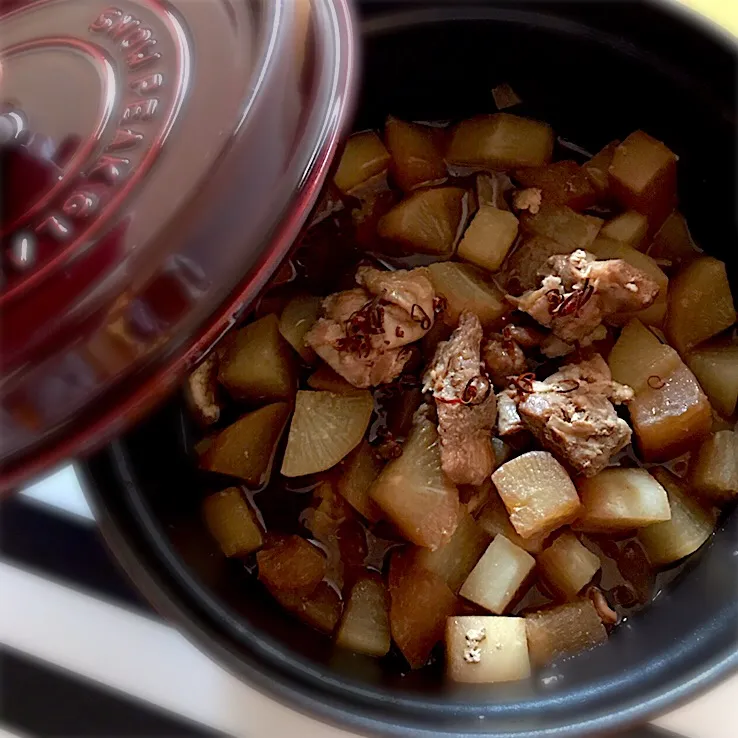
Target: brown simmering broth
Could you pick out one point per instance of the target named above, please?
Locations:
(361, 600)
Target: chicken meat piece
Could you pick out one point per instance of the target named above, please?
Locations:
(466, 405)
(509, 422)
(571, 413)
(504, 358)
(363, 333)
(578, 292)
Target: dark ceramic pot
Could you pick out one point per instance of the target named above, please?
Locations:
(596, 72)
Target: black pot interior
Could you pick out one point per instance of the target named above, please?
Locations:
(593, 86)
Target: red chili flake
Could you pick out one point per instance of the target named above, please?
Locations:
(420, 316)
(574, 301)
(655, 382)
(365, 322)
(440, 304)
(477, 390)
(567, 385)
(524, 382)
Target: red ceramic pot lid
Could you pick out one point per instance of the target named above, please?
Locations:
(159, 158)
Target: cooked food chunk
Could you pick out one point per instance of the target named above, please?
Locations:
(413, 491)
(365, 626)
(500, 141)
(716, 369)
(578, 293)
(714, 471)
(561, 183)
(420, 603)
(465, 402)
(426, 222)
(363, 332)
(466, 288)
(700, 304)
(325, 428)
(563, 631)
(691, 524)
(363, 158)
(416, 150)
(537, 492)
(257, 365)
(486, 649)
(488, 238)
(670, 416)
(567, 565)
(629, 228)
(620, 500)
(571, 413)
(246, 448)
(643, 177)
(290, 563)
(232, 522)
(498, 576)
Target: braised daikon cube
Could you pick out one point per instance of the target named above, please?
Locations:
(415, 494)
(290, 563)
(453, 561)
(467, 288)
(498, 576)
(258, 365)
(629, 228)
(420, 603)
(296, 320)
(700, 304)
(426, 222)
(643, 177)
(716, 369)
(486, 649)
(691, 524)
(597, 168)
(537, 492)
(639, 359)
(561, 224)
(500, 141)
(562, 183)
(357, 473)
(246, 448)
(365, 625)
(417, 153)
(621, 499)
(489, 238)
(365, 156)
(495, 520)
(232, 522)
(321, 609)
(673, 241)
(563, 631)
(714, 469)
(670, 416)
(568, 565)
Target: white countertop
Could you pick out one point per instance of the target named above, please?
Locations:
(146, 659)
